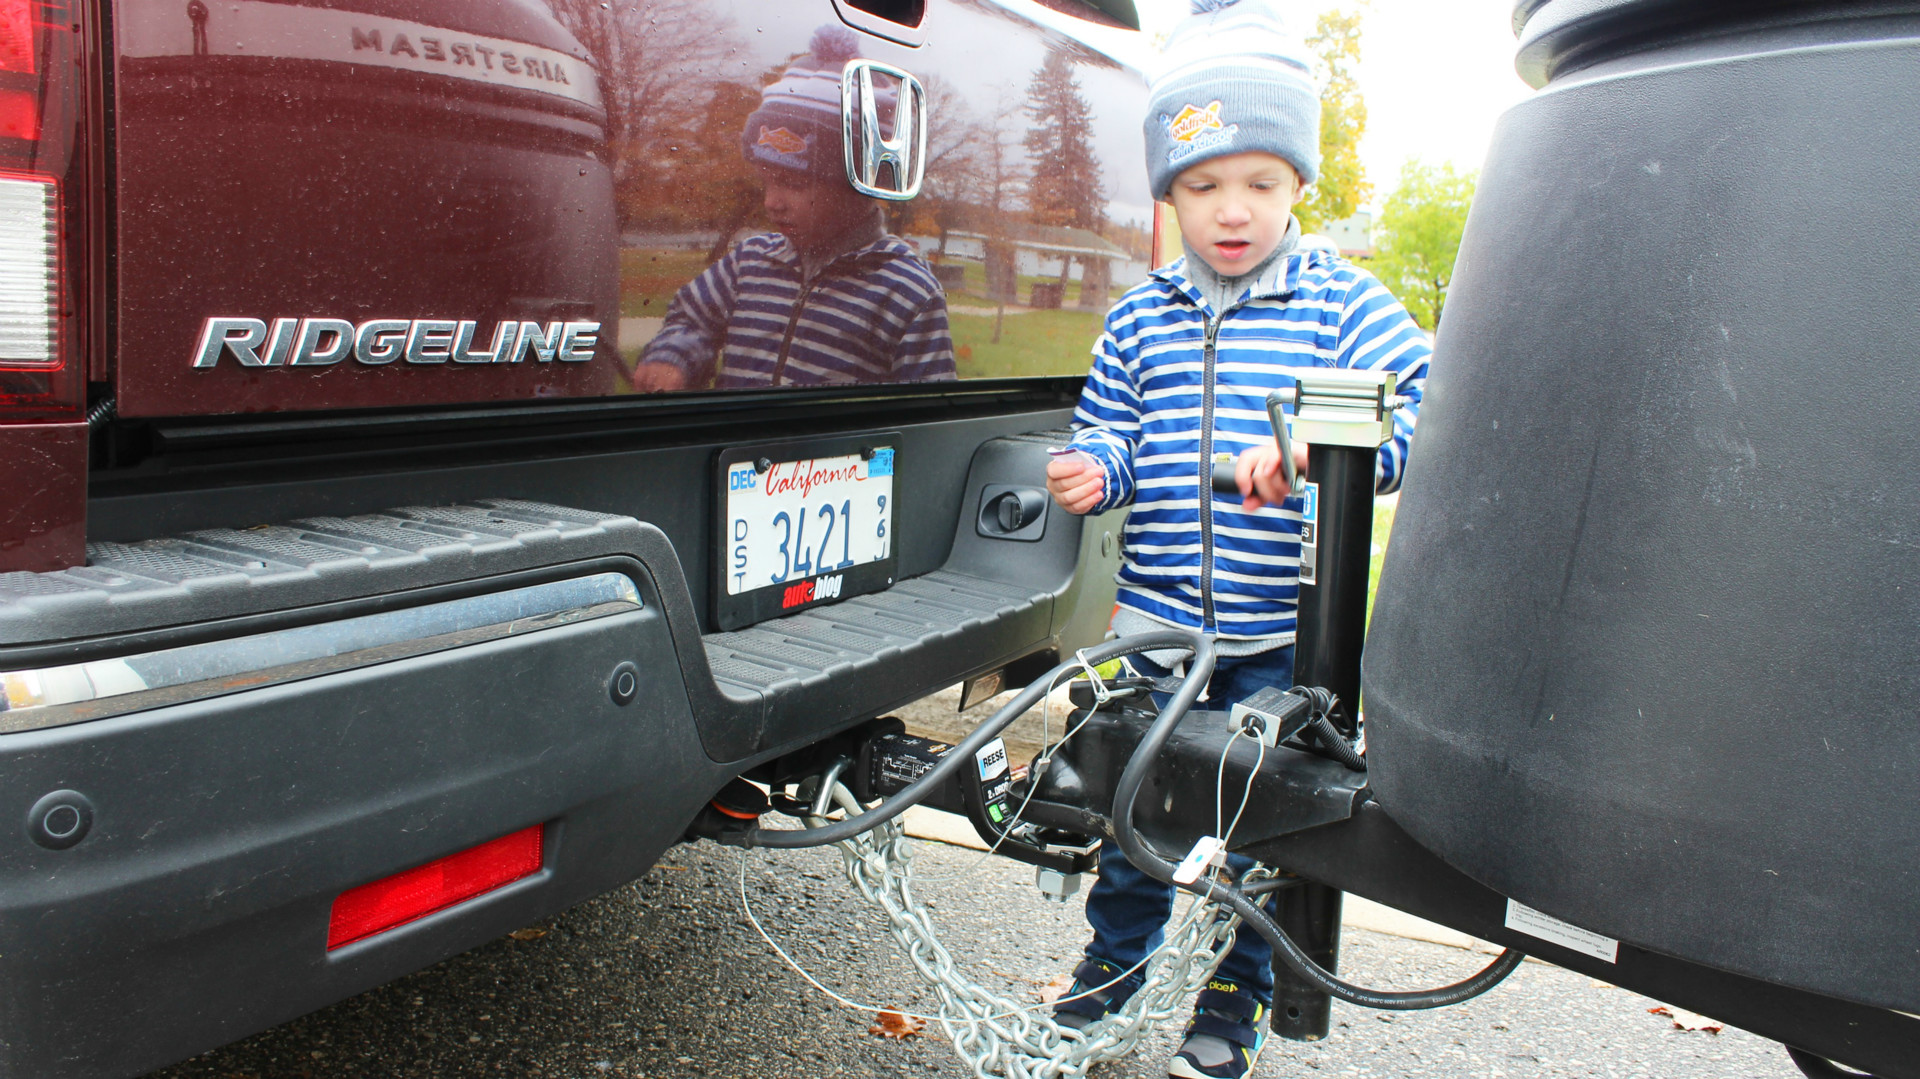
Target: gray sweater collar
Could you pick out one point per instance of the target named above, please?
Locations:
(1223, 292)
(864, 231)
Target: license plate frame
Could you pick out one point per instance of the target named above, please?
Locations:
(740, 603)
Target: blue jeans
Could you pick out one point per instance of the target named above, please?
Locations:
(1127, 909)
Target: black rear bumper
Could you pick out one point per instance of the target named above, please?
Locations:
(225, 824)
(196, 910)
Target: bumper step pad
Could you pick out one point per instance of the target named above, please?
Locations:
(225, 572)
(757, 690)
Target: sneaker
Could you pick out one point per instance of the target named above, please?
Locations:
(1224, 1039)
(1086, 1002)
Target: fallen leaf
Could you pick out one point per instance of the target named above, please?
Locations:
(531, 933)
(1055, 988)
(1686, 1020)
(897, 1026)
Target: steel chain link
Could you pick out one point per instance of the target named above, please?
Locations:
(1003, 1038)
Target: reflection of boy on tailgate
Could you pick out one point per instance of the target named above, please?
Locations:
(831, 296)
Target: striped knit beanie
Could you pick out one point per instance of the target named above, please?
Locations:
(797, 125)
(1232, 79)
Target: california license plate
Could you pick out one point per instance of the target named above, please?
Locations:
(803, 524)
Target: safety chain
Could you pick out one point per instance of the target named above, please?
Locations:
(1001, 1037)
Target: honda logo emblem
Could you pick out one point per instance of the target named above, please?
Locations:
(867, 147)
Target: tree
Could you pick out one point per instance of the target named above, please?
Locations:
(659, 63)
(1003, 181)
(706, 170)
(1342, 187)
(1003, 184)
(1418, 236)
(956, 143)
(1065, 186)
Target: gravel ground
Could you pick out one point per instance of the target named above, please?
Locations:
(939, 716)
(665, 979)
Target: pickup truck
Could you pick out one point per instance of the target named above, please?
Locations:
(443, 446)
(356, 604)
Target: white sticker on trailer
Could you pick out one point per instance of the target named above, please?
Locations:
(1524, 919)
(992, 760)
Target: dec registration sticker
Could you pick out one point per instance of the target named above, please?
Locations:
(805, 530)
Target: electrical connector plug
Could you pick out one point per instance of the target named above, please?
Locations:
(1271, 716)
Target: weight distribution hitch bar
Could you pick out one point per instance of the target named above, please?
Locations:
(1298, 767)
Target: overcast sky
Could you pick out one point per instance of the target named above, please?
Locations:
(1436, 75)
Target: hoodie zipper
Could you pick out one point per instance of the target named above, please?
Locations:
(807, 282)
(1208, 358)
(1206, 474)
(793, 323)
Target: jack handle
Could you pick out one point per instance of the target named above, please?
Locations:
(1223, 481)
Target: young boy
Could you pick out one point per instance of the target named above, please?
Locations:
(830, 297)
(1182, 373)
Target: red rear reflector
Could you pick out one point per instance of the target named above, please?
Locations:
(404, 897)
(16, 36)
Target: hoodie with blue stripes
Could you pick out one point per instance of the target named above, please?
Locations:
(764, 316)
(1158, 402)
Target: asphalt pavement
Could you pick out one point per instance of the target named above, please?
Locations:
(666, 979)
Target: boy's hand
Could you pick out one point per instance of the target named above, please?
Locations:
(658, 378)
(1261, 481)
(1076, 481)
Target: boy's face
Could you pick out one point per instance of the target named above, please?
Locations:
(809, 211)
(1233, 210)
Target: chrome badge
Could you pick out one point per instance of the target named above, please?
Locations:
(319, 342)
(904, 150)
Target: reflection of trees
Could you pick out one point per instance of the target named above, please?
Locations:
(667, 119)
(955, 141)
(1003, 184)
(1066, 188)
(976, 178)
(709, 174)
(1004, 178)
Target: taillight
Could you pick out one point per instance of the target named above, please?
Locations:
(41, 376)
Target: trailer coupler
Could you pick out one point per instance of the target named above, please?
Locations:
(1053, 813)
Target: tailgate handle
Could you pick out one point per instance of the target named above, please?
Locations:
(1015, 513)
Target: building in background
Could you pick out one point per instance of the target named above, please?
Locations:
(1056, 253)
(1352, 235)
